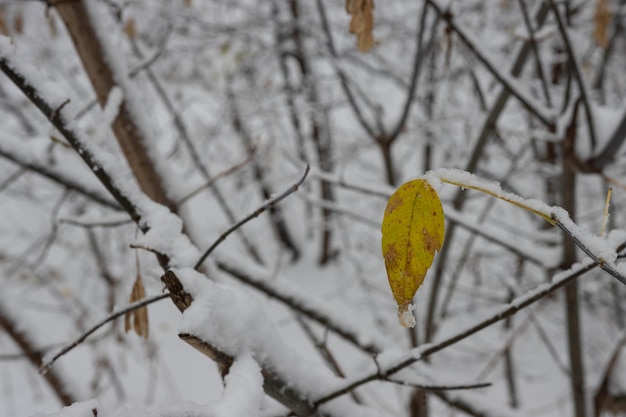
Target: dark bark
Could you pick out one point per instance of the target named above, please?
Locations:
(320, 131)
(274, 387)
(574, 340)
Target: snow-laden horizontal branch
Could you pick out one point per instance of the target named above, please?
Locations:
(424, 351)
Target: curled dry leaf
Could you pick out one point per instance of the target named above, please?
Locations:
(139, 317)
(362, 22)
(413, 231)
(601, 20)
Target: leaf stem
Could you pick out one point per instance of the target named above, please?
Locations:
(546, 216)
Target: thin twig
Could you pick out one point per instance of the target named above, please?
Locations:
(508, 310)
(420, 53)
(302, 306)
(58, 173)
(427, 387)
(276, 214)
(533, 42)
(219, 176)
(384, 191)
(148, 63)
(549, 344)
(12, 178)
(54, 226)
(508, 83)
(612, 147)
(601, 262)
(10, 70)
(452, 215)
(480, 142)
(335, 208)
(46, 365)
(577, 72)
(196, 159)
(618, 28)
(251, 216)
(322, 347)
(90, 225)
(340, 73)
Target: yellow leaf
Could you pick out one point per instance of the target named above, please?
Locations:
(413, 230)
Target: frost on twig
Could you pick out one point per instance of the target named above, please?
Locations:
(596, 247)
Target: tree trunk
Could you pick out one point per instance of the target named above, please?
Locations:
(320, 134)
(568, 195)
(131, 139)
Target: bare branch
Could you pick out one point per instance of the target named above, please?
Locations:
(301, 306)
(420, 353)
(601, 262)
(480, 142)
(10, 68)
(45, 366)
(254, 214)
(90, 225)
(533, 42)
(18, 334)
(97, 57)
(427, 387)
(12, 178)
(340, 73)
(474, 406)
(183, 134)
(274, 387)
(219, 176)
(577, 72)
(420, 53)
(508, 83)
(13, 151)
(607, 155)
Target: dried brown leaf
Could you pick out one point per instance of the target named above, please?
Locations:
(357, 24)
(362, 22)
(130, 29)
(18, 21)
(137, 320)
(602, 20)
(365, 41)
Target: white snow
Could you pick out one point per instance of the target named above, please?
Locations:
(235, 323)
(343, 320)
(112, 106)
(406, 317)
(243, 393)
(349, 293)
(79, 409)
